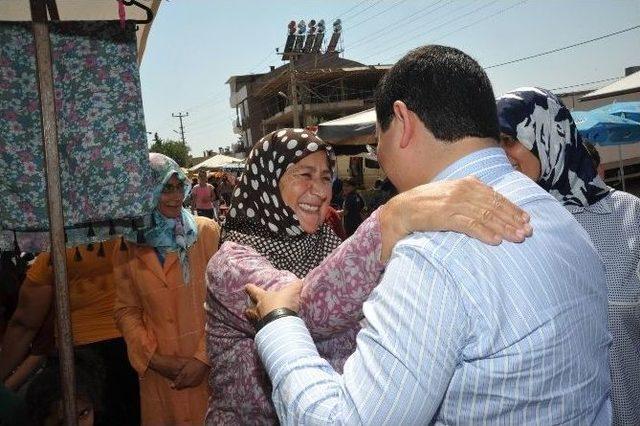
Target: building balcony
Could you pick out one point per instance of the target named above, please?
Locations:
(285, 117)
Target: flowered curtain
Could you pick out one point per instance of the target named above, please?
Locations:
(105, 174)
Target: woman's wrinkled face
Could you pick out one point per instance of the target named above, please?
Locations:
(171, 195)
(521, 158)
(306, 189)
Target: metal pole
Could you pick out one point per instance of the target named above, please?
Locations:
(624, 188)
(54, 202)
(294, 95)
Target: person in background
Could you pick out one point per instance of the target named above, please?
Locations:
(336, 193)
(352, 206)
(457, 331)
(204, 197)
(224, 190)
(334, 220)
(44, 397)
(159, 302)
(91, 302)
(595, 156)
(540, 138)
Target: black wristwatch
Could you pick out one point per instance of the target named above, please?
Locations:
(274, 315)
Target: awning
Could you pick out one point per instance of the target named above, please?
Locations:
(219, 162)
(84, 10)
(354, 129)
(628, 84)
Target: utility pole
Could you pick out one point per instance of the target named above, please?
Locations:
(180, 116)
(294, 94)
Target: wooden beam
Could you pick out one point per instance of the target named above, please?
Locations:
(54, 202)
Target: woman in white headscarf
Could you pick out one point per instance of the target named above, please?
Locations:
(159, 303)
(540, 138)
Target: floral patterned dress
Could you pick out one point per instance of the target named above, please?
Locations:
(331, 305)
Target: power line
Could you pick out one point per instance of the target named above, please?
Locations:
(413, 35)
(381, 32)
(464, 27)
(480, 20)
(559, 49)
(375, 3)
(587, 83)
(377, 14)
(349, 10)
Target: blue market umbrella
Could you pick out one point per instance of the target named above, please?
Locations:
(628, 110)
(607, 130)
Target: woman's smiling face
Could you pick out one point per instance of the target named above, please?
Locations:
(306, 189)
(171, 196)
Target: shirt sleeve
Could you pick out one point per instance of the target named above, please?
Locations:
(404, 360)
(334, 291)
(141, 342)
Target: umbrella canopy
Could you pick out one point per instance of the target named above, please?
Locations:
(606, 129)
(219, 162)
(628, 110)
(354, 129)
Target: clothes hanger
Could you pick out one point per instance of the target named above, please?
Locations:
(141, 6)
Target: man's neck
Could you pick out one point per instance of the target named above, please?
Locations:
(448, 153)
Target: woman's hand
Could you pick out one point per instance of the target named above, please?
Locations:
(191, 374)
(464, 205)
(167, 365)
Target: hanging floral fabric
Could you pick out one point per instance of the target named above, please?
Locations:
(105, 174)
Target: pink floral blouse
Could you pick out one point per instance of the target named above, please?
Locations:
(331, 305)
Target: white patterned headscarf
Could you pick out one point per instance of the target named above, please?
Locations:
(539, 120)
(258, 216)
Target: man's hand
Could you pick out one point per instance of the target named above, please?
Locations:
(267, 301)
(191, 374)
(167, 365)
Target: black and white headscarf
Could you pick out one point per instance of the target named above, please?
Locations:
(541, 122)
(259, 218)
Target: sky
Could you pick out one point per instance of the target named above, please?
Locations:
(195, 46)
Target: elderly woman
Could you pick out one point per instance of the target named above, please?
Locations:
(159, 301)
(277, 220)
(540, 138)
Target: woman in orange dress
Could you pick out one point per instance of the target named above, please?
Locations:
(159, 303)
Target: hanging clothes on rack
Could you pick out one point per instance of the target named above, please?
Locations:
(105, 173)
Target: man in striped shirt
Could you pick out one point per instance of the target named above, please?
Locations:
(456, 332)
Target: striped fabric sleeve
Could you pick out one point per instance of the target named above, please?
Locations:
(405, 357)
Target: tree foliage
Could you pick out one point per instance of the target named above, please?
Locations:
(176, 150)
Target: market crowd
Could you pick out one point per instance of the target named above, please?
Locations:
(493, 278)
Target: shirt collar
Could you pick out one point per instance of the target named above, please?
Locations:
(486, 164)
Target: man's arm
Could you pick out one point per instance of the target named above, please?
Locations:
(405, 357)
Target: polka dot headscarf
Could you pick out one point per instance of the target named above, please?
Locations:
(258, 216)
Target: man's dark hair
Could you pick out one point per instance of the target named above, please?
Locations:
(446, 88)
(593, 152)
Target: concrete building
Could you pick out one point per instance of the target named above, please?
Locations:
(326, 87)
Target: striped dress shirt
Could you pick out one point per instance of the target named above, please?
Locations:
(459, 332)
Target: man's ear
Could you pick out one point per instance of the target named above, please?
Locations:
(406, 119)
